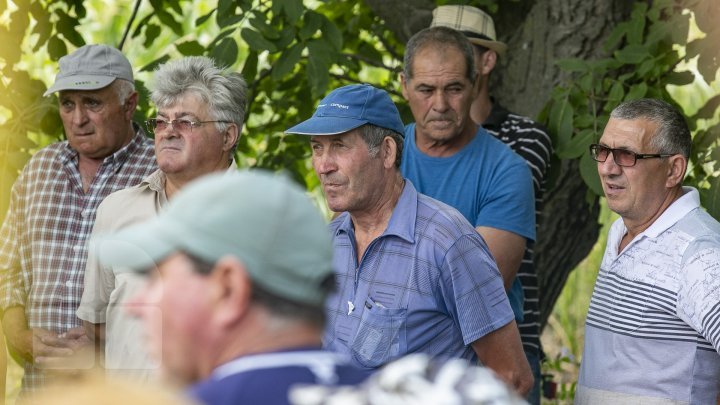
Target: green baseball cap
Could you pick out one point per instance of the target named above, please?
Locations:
(263, 219)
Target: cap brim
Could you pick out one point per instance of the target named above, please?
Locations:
(496, 46)
(327, 125)
(79, 82)
(137, 248)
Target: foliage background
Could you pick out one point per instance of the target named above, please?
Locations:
(291, 52)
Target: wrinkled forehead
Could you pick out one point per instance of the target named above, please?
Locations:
(635, 134)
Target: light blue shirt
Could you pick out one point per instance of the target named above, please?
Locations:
(486, 181)
(428, 284)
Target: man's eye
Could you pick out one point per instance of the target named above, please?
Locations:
(184, 124)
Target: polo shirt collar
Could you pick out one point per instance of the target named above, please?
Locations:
(402, 220)
(689, 201)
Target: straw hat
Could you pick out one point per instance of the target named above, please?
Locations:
(477, 25)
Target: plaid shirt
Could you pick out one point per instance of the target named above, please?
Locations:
(43, 241)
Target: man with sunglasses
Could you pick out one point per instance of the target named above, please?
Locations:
(43, 241)
(201, 110)
(652, 334)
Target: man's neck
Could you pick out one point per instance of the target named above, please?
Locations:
(449, 147)
(372, 221)
(636, 227)
(176, 181)
(481, 107)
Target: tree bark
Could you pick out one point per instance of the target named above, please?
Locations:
(538, 33)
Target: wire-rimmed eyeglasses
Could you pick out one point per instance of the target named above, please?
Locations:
(184, 125)
(622, 157)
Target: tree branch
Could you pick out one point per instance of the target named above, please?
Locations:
(129, 24)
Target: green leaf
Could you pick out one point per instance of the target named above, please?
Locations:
(311, 23)
(43, 26)
(157, 62)
(617, 34)
(632, 54)
(152, 31)
(226, 52)
(260, 24)
(166, 18)
(636, 26)
(709, 109)
(572, 65)
(293, 9)
(287, 61)
(318, 76)
(589, 174)
(561, 121)
(616, 94)
(287, 35)
(56, 48)
(636, 91)
(190, 48)
(66, 27)
(256, 41)
(332, 34)
(710, 197)
(201, 20)
(680, 78)
(249, 70)
(577, 145)
(226, 13)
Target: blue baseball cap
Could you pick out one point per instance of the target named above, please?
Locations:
(350, 107)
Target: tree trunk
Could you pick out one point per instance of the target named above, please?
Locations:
(538, 33)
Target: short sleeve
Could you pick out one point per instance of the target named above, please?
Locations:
(698, 302)
(473, 289)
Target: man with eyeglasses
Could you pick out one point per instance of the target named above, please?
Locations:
(652, 334)
(43, 241)
(201, 110)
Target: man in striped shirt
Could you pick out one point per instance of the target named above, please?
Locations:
(652, 334)
(53, 203)
(525, 137)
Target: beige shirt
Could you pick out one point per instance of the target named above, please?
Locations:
(107, 288)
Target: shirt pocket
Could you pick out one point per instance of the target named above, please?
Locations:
(381, 335)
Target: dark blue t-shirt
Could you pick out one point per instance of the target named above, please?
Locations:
(268, 377)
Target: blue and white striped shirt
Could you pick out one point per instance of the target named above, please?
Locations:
(653, 328)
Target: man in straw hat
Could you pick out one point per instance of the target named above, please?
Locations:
(413, 275)
(52, 209)
(524, 136)
(235, 304)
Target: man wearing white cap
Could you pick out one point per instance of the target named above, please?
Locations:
(52, 208)
(524, 136)
(235, 305)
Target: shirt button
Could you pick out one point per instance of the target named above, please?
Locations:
(77, 248)
(68, 284)
(85, 213)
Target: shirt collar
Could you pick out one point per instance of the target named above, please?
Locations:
(498, 115)
(116, 159)
(689, 201)
(402, 220)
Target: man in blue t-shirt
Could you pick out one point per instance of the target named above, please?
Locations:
(449, 157)
(235, 305)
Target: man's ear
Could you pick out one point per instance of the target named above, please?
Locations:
(487, 62)
(403, 85)
(231, 291)
(130, 105)
(230, 137)
(676, 170)
(389, 149)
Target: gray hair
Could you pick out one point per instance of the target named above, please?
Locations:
(123, 89)
(373, 136)
(223, 91)
(440, 38)
(673, 134)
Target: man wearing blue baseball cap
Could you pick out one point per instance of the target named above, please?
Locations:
(235, 304)
(412, 274)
